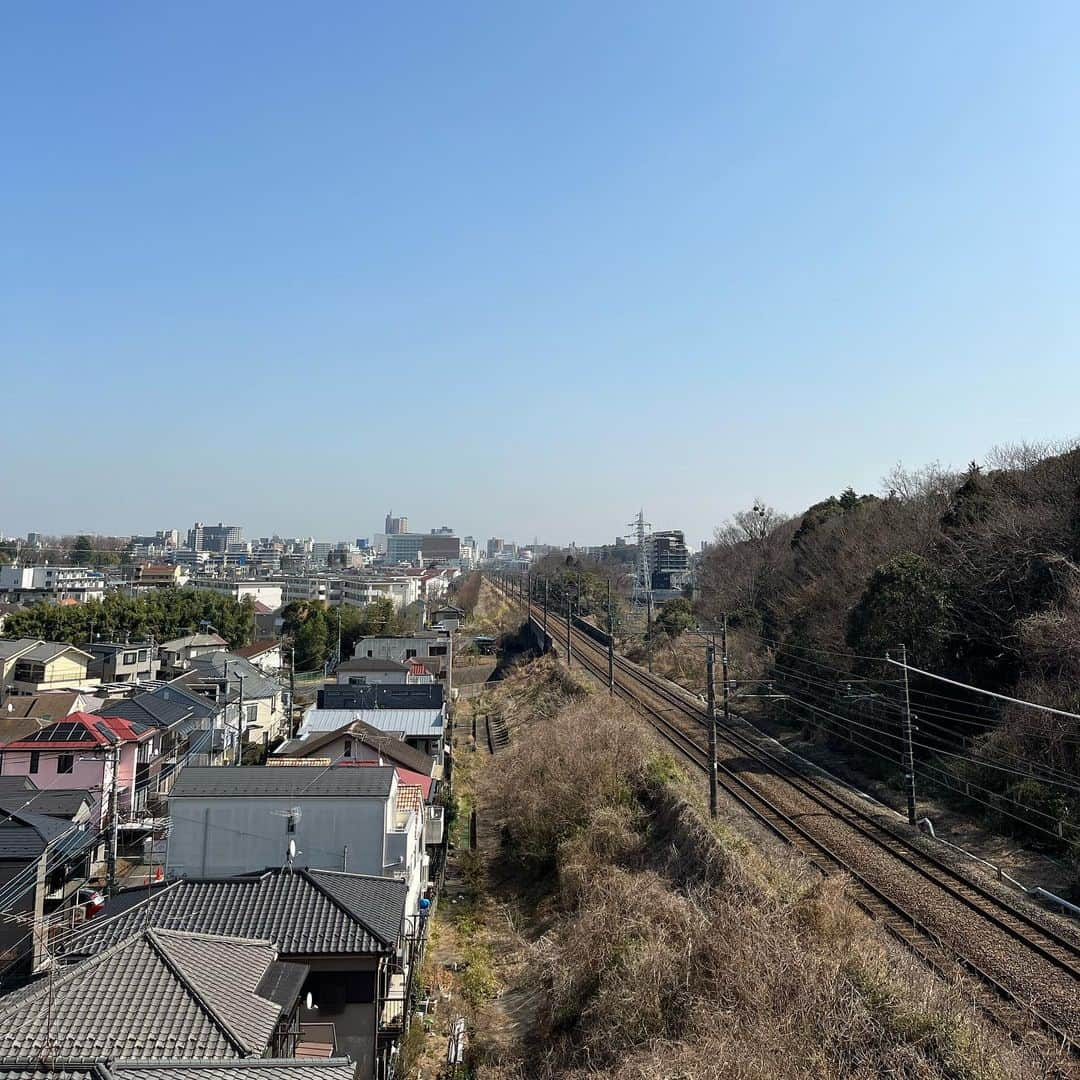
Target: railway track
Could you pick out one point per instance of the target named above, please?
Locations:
(1026, 973)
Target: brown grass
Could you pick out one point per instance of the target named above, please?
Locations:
(672, 948)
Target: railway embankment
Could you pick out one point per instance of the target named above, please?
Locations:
(603, 925)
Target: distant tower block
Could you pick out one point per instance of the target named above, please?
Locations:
(642, 577)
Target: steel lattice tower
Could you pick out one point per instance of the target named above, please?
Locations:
(642, 578)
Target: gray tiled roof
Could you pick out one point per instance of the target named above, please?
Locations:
(156, 994)
(256, 684)
(266, 780)
(303, 912)
(25, 834)
(149, 709)
(237, 1069)
(248, 1069)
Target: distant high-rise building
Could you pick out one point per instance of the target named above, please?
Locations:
(217, 537)
(395, 525)
(494, 547)
(442, 530)
(404, 547)
(669, 559)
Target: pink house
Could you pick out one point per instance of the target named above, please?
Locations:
(88, 753)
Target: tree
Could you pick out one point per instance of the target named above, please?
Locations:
(906, 601)
(82, 551)
(676, 616)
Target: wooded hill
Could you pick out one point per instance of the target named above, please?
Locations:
(976, 573)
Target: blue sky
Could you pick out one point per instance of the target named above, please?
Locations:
(524, 268)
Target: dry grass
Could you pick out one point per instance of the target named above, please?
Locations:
(671, 948)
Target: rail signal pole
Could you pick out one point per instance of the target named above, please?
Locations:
(569, 623)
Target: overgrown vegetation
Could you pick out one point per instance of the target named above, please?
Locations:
(161, 613)
(665, 947)
(314, 627)
(976, 573)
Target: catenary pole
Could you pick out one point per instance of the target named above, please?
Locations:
(710, 665)
(909, 751)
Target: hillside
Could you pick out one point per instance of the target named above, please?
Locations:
(977, 575)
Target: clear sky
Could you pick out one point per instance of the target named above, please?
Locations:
(523, 268)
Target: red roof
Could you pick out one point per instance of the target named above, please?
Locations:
(82, 730)
(257, 648)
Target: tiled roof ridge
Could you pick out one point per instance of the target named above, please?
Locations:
(309, 874)
(158, 940)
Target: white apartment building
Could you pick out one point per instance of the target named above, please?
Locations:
(402, 591)
(78, 583)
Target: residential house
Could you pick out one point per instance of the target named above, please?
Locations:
(434, 647)
(122, 662)
(96, 754)
(159, 994)
(43, 857)
(349, 930)
(263, 698)
(422, 729)
(176, 655)
(371, 670)
(408, 696)
(51, 1068)
(160, 576)
(10, 651)
(50, 665)
(448, 617)
(21, 715)
(358, 741)
(235, 821)
(363, 744)
(264, 654)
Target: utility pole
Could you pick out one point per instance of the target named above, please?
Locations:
(610, 643)
(546, 597)
(909, 751)
(239, 723)
(569, 621)
(724, 663)
(292, 685)
(710, 667)
(112, 885)
(648, 629)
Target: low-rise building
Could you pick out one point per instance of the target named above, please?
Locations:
(237, 821)
(349, 930)
(123, 662)
(176, 655)
(97, 754)
(422, 729)
(51, 665)
(264, 654)
(159, 994)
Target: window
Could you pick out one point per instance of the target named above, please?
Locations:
(348, 748)
(437, 650)
(129, 658)
(65, 763)
(35, 760)
(370, 653)
(410, 653)
(144, 655)
(358, 680)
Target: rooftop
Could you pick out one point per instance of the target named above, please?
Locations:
(423, 723)
(82, 731)
(266, 781)
(303, 912)
(154, 994)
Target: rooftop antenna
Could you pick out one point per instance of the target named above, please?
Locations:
(642, 593)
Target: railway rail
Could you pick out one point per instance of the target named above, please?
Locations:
(1026, 972)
